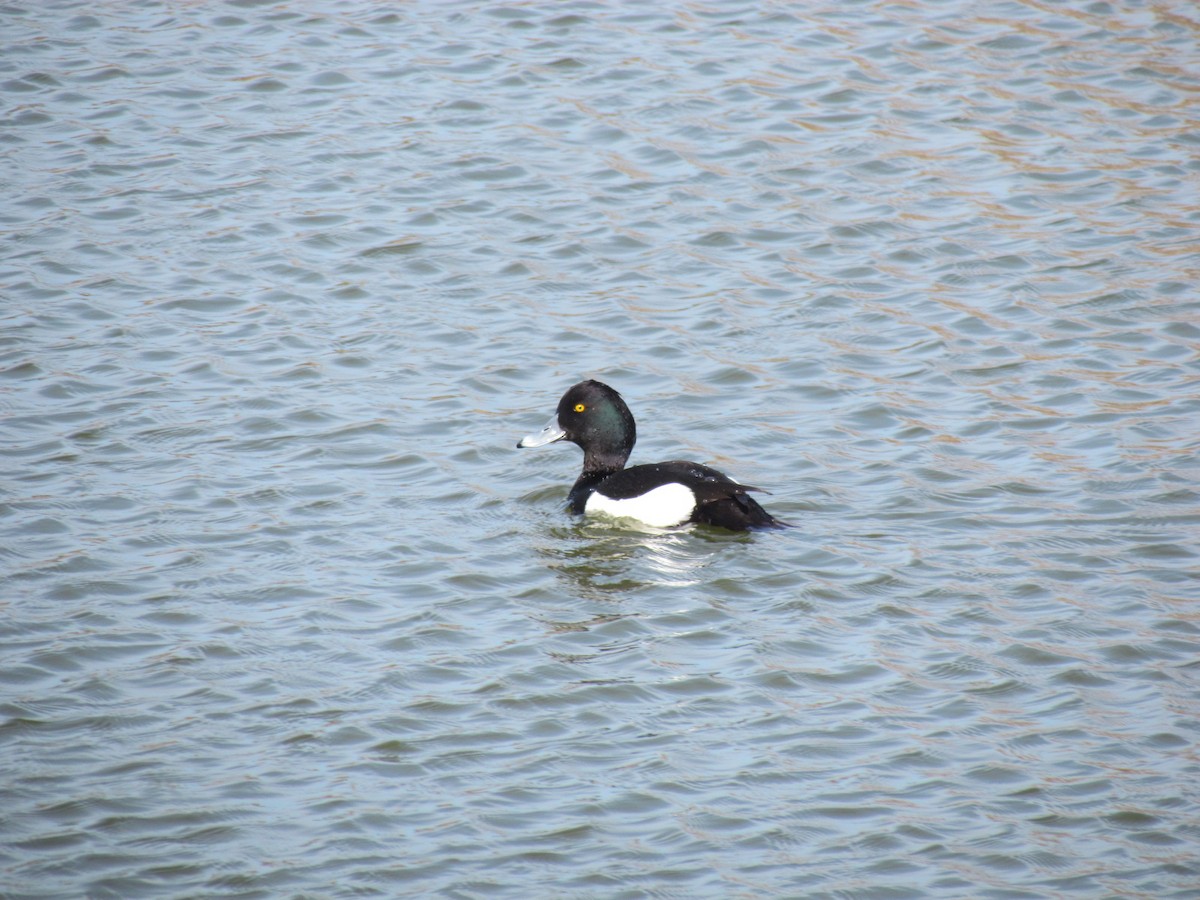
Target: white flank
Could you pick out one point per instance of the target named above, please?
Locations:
(666, 505)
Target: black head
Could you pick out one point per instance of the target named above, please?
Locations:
(592, 415)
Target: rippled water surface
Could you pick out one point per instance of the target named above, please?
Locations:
(285, 613)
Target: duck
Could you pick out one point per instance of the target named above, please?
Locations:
(661, 495)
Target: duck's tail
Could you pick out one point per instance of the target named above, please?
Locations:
(737, 512)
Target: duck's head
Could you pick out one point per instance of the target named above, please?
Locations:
(592, 415)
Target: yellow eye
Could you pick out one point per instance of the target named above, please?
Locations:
(579, 407)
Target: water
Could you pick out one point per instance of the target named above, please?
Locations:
(286, 614)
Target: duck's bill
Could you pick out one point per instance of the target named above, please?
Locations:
(548, 435)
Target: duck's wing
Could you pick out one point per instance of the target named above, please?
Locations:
(717, 498)
(721, 501)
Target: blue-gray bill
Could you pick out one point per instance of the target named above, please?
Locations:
(548, 435)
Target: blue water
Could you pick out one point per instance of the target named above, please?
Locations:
(285, 613)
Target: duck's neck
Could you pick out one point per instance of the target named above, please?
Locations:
(596, 468)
